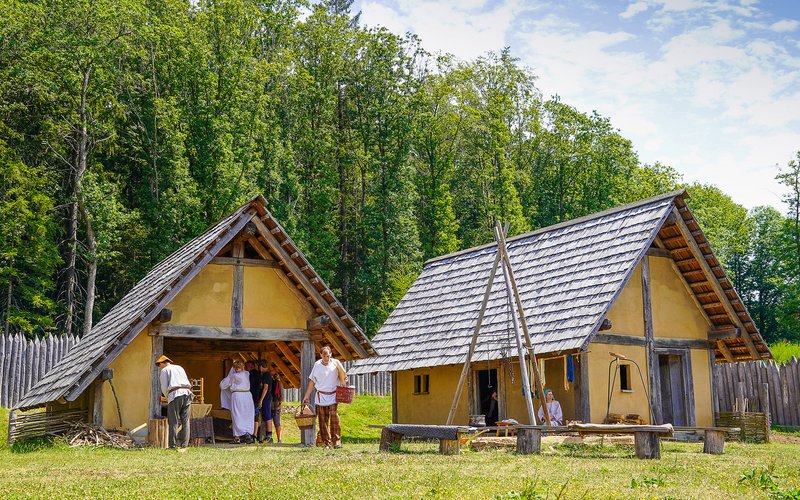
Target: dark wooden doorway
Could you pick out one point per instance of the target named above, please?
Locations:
(487, 385)
(673, 389)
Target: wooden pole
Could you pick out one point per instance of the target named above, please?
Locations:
(308, 436)
(654, 379)
(765, 408)
(511, 287)
(237, 297)
(473, 342)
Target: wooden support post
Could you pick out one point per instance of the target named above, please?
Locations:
(449, 447)
(308, 436)
(465, 370)
(390, 440)
(652, 358)
(529, 441)
(765, 408)
(156, 350)
(740, 397)
(97, 404)
(511, 287)
(394, 398)
(648, 445)
(237, 299)
(584, 405)
(12, 426)
(714, 442)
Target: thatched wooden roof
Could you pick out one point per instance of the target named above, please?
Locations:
(140, 306)
(569, 276)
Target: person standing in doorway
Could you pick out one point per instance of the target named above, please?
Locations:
(324, 377)
(235, 396)
(264, 403)
(176, 388)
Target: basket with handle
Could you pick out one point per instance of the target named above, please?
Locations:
(345, 393)
(304, 417)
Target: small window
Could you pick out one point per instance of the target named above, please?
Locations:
(625, 378)
(421, 384)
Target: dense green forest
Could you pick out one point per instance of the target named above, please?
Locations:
(128, 126)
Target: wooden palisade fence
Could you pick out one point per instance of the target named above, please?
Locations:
(781, 395)
(23, 362)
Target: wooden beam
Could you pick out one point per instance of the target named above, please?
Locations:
(723, 297)
(652, 358)
(275, 245)
(237, 297)
(659, 252)
(727, 332)
(583, 389)
(318, 322)
(284, 349)
(287, 372)
(156, 350)
(97, 404)
(726, 353)
(264, 253)
(659, 342)
(605, 325)
(511, 287)
(235, 261)
(465, 370)
(225, 333)
(176, 346)
(307, 437)
(332, 339)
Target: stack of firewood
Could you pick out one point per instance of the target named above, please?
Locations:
(83, 434)
(629, 419)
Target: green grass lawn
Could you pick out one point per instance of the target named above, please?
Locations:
(359, 471)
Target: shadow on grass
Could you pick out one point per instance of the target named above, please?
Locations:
(32, 445)
(360, 440)
(594, 450)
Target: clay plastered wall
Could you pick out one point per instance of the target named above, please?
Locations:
(268, 303)
(703, 407)
(132, 383)
(430, 408)
(627, 313)
(621, 402)
(675, 313)
(206, 300)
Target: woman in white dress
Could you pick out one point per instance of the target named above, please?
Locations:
(553, 409)
(236, 397)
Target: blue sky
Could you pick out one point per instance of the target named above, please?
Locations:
(711, 88)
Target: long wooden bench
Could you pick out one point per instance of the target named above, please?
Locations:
(448, 435)
(714, 437)
(647, 438)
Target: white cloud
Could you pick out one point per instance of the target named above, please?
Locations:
(633, 9)
(785, 26)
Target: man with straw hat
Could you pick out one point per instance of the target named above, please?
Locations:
(178, 391)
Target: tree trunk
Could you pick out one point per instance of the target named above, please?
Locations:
(8, 307)
(91, 277)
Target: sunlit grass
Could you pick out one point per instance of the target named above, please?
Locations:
(783, 350)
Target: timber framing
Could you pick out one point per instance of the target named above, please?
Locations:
(234, 261)
(658, 342)
(226, 333)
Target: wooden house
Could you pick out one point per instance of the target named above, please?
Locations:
(637, 284)
(243, 288)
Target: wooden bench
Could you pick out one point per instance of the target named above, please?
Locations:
(390, 439)
(714, 437)
(647, 438)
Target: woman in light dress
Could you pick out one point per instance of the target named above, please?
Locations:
(553, 409)
(236, 398)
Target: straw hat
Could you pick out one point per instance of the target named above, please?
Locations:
(163, 359)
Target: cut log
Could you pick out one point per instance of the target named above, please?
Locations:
(714, 442)
(449, 447)
(648, 445)
(390, 439)
(158, 433)
(529, 441)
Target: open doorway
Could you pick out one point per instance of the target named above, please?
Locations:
(488, 395)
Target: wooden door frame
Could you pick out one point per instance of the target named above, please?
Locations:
(688, 382)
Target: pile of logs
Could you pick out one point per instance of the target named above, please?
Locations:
(83, 434)
(629, 419)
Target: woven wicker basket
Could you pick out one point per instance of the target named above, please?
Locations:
(345, 393)
(304, 418)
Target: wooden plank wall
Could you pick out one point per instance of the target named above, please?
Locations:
(783, 388)
(23, 362)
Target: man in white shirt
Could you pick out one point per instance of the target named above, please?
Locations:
(325, 376)
(178, 391)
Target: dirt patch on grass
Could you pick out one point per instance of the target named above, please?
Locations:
(781, 438)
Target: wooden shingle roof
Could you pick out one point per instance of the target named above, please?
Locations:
(568, 275)
(140, 306)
